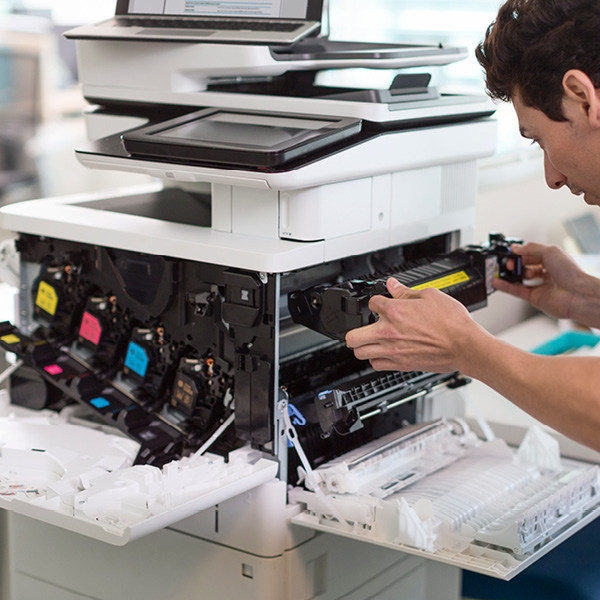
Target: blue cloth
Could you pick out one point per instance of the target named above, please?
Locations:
(569, 572)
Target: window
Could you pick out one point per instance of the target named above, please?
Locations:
(452, 22)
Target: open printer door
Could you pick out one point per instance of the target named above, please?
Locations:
(82, 480)
(436, 491)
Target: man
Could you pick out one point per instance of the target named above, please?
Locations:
(544, 56)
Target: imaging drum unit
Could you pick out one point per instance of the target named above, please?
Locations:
(466, 274)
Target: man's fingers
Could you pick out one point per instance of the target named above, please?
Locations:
(378, 304)
(383, 364)
(369, 351)
(398, 290)
(531, 249)
(362, 336)
(534, 272)
(531, 261)
(514, 289)
(531, 254)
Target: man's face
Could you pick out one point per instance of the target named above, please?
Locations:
(571, 149)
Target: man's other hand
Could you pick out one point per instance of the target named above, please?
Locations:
(552, 280)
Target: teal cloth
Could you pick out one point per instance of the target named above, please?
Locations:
(571, 340)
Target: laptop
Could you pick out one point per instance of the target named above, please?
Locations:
(272, 22)
(585, 231)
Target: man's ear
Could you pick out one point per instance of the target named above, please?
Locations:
(582, 95)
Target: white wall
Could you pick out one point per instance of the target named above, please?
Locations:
(60, 171)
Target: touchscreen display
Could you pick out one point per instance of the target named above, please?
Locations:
(244, 130)
(239, 139)
(286, 9)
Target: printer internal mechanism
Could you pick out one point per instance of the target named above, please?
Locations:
(167, 349)
(121, 334)
(444, 487)
(55, 295)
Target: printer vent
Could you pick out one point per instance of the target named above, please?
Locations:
(458, 187)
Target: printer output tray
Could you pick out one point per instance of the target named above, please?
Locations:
(446, 496)
(81, 479)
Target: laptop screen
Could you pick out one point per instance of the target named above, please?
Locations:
(309, 10)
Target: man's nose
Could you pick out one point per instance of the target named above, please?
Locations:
(554, 178)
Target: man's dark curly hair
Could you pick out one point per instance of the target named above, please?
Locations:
(533, 43)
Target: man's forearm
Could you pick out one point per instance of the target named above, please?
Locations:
(561, 391)
(586, 303)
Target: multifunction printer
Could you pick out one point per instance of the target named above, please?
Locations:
(185, 418)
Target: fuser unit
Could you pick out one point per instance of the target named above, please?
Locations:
(465, 274)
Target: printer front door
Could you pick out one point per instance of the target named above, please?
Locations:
(80, 478)
(436, 491)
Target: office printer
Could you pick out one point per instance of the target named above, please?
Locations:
(184, 391)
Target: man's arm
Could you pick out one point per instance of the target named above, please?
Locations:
(560, 391)
(428, 330)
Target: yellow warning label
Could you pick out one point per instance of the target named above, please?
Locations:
(46, 298)
(444, 282)
(10, 339)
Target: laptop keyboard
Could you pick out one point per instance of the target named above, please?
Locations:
(229, 25)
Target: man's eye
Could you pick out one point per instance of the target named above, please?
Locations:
(534, 142)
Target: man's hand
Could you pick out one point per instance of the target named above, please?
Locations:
(423, 330)
(427, 330)
(557, 286)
